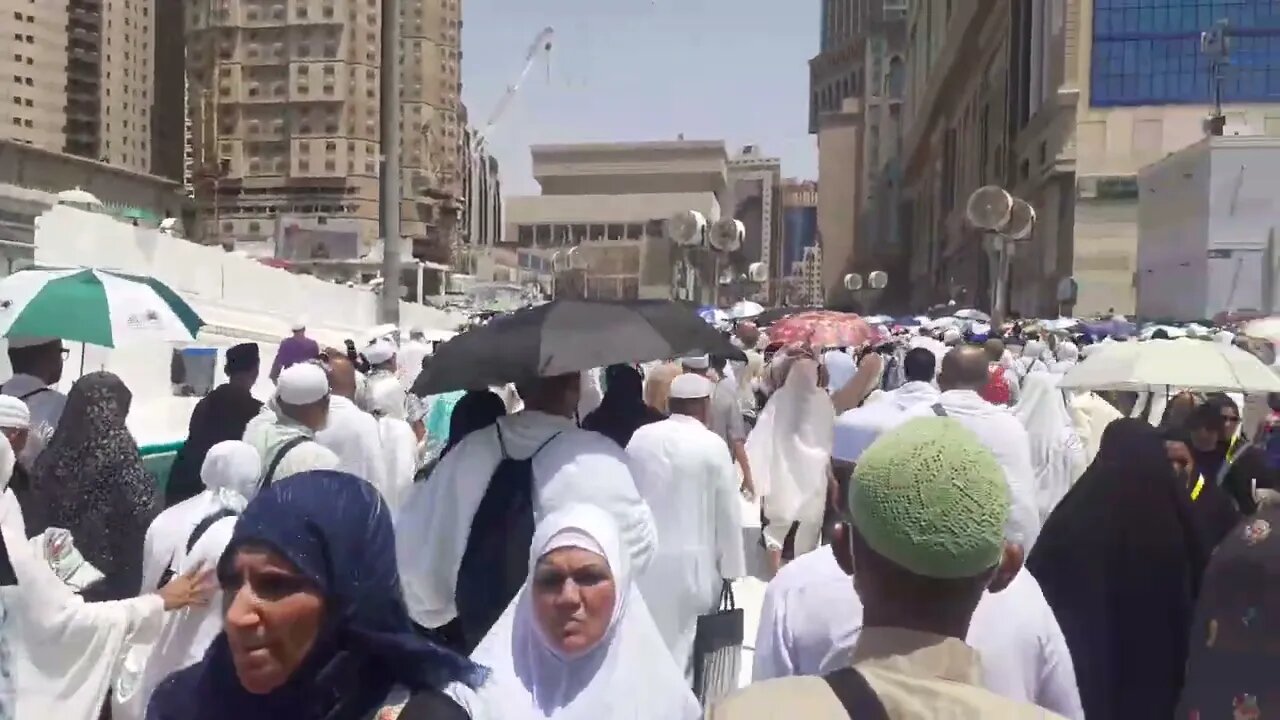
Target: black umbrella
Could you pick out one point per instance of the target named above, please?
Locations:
(567, 336)
(773, 315)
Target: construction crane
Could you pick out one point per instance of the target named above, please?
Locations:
(541, 44)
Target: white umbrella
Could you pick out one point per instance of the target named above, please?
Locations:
(745, 309)
(1164, 365)
(1267, 328)
(971, 314)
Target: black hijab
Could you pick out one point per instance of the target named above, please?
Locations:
(90, 481)
(1120, 560)
(476, 410)
(622, 411)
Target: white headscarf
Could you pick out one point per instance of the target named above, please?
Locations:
(628, 675)
(790, 446)
(1031, 359)
(1068, 356)
(230, 475)
(1057, 453)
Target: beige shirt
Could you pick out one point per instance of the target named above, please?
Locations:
(918, 676)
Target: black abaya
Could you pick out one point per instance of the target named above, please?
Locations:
(221, 415)
(1120, 560)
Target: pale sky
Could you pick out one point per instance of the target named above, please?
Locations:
(628, 70)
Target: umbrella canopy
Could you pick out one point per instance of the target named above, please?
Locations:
(745, 309)
(97, 307)
(566, 336)
(1161, 365)
(823, 329)
(714, 315)
(972, 314)
(773, 315)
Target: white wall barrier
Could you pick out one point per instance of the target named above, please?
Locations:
(240, 299)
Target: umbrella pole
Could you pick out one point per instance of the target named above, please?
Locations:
(81, 359)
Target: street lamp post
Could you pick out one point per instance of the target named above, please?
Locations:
(389, 147)
(1005, 220)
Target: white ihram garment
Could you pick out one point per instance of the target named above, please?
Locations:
(400, 452)
(434, 519)
(790, 448)
(1005, 437)
(685, 474)
(1057, 453)
(352, 434)
(627, 675)
(811, 619)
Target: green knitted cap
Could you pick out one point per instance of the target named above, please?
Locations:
(931, 498)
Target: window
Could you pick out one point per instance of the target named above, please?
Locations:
(1147, 52)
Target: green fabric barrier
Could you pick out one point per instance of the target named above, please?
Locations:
(157, 459)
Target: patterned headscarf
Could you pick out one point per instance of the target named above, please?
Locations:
(90, 480)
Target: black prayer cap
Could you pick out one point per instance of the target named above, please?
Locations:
(242, 358)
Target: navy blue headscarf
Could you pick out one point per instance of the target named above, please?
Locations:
(336, 530)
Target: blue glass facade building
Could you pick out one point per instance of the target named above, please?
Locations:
(800, 230)
(1147, 52)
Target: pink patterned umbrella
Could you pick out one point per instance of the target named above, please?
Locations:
(823, 329)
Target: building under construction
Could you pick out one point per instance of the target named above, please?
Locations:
(284, 102)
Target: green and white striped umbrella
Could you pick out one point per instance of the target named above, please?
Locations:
(98, 307)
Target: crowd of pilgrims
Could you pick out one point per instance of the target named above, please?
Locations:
(947, 534)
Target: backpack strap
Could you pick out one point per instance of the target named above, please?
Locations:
(939, 410)
(856, 695)
(502, 446)
(207, 523)
(269, 476)
(25, 396)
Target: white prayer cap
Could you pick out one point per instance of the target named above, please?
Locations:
(688, 386)
(14, 413)
(699, 362)
(16, 343)
(298, 325)
(302, 384)
(952, 336)
(379, 351)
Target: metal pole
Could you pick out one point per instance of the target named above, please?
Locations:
(389, 188)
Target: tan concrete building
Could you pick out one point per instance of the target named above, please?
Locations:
(1020, 109)
(284, 100)
(856, 91)
(77, 76)
(612, 201)
(753, 194)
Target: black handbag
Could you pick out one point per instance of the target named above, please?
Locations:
(717, 650)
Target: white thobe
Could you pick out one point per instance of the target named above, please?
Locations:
(912, 394)
(400, 455)
(811, 618)
(591, 395)
(1004, 435)
(686, 475)
(434, 519)
(352, 434)
(63, 651)
(268, 438)
(166, 542)
(46, 406)
(856, 429)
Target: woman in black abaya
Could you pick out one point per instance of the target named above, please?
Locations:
(1120, 561)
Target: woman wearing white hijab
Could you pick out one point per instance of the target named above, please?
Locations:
(577, 643)
(1057, 452)
(230, 475)
(399, 443)
(790, 455)
(1068, 356)
(60, 651)
(1031, 360)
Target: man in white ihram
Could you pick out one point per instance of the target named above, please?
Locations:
(685, 474)
(286, 443)
(382, 381)
(569, 465)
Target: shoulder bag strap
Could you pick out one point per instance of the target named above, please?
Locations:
(207, 523)
(939, 410)
(856, 695)
(270, 475)
(727, 601)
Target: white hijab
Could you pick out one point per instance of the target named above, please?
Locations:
(790, 446)
(1068, 356)
(1057, 453)
(628, 675)
(1031, 359)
